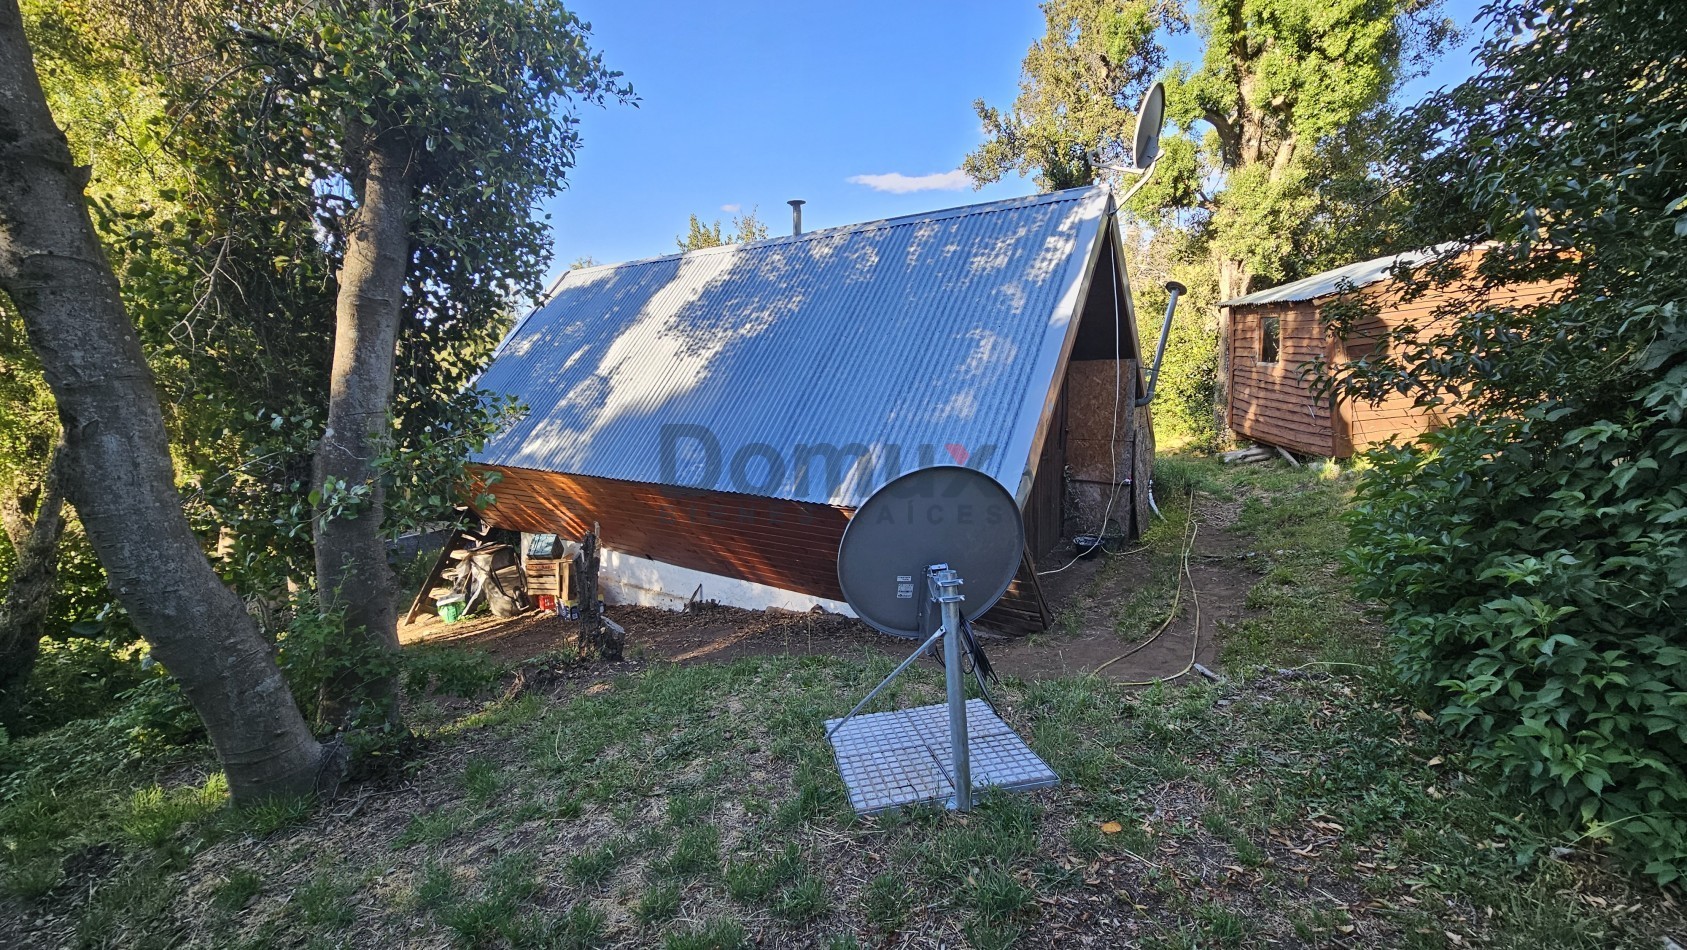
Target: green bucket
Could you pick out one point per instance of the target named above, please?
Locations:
(450, 607)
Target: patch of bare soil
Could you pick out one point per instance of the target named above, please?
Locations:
(1088, 595)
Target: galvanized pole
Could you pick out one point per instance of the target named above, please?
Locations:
(959, 754)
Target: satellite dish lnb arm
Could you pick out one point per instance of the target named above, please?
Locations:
(1176, 290)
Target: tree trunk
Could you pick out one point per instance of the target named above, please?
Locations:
(352, 574)
(118, 471)
(23, 612)
(1233, 279)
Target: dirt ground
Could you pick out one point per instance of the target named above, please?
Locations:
(1083, 641)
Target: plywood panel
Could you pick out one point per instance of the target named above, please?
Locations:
(1101, 422)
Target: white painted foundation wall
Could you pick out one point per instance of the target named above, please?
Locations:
(626, 579)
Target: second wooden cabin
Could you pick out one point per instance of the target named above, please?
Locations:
(1276, 336)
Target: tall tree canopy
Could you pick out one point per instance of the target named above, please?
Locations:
(117, 469)
(1255, 127)
(1080, 85)
(367, 174)
(339, 213)
(1266, 166)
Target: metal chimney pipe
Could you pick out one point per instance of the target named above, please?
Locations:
(796, 215)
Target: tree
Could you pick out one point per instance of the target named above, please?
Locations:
(33, 531)
(1530, 554)
(1278, 81)
(83, 89)
(418, 138)
(1078, 90)
(117, 470)
(744, 230)
(1271, 137)
(1256, 128)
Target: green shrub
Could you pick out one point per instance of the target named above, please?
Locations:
(450, 671)
(1538, 583)
(154, 722)
(1186, 397)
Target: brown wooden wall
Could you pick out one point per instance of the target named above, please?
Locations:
(785, 544)
(1361, 424)
(1271, 402)
(1275, 405)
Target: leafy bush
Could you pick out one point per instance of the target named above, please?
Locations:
(1541, 586)
(152, 722)
(450, 671)
(1188, 388)
(1532, 556)
(77, 678)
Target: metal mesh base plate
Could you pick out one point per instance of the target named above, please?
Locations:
(894, 759)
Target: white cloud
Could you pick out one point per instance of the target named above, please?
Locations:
(899, 184)
(732, 209)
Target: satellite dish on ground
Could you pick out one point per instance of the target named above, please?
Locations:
(924, 556)
(1150, 120)
(947, 514)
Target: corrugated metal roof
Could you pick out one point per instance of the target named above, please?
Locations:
(1330, 281)
(921, 340)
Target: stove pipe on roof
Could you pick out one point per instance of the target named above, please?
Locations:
(796, 215)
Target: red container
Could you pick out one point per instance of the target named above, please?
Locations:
(547, 603)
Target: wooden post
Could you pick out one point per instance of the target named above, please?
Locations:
(596, 635)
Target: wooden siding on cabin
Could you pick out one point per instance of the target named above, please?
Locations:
(1272, 402)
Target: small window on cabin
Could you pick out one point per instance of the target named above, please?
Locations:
(1270, 338)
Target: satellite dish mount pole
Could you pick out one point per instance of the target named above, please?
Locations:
(945, 587)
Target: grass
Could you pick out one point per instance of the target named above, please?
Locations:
(698, 807)
(657, 905)
(236, 890)
(594, 865)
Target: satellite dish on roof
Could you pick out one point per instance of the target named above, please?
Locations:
(947, 514)
(1150, 120)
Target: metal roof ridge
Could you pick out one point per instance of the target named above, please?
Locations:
(942, 214)
(1284, 293)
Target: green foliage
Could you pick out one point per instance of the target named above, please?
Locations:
(699, 235)
(230, 267)
(155, 815)
(1081, 82)
(1279, 104)
(1187, 391)
(77, 678)
(657, 906)
(714, 935)
(153, 722)
(449, 671)
(752, 880)
(1530, 554)
(237, 890)
(1535, 580)
(1270, 136)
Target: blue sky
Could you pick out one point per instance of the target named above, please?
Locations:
(747, 104)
